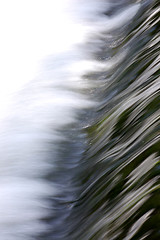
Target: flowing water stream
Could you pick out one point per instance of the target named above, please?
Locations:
(80, 144)
(113, 187)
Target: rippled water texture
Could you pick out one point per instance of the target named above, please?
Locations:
(109, 170)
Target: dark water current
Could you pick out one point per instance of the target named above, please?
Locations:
(109, 168)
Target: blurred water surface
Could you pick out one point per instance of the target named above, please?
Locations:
(109, 168)
(79, 141)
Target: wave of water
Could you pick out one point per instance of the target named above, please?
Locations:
(113, 190)
(80, 141)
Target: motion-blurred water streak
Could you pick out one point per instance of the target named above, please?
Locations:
(80, 147)
(116, 182)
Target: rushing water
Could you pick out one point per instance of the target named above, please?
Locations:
(112, 190)
(88, 128)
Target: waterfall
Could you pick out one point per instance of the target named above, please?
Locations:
(79, 120)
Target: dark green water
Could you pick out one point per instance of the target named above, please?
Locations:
(109, 169)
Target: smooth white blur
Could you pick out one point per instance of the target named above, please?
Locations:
(29, 31)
